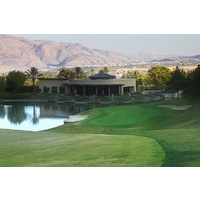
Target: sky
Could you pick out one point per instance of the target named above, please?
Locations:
(162, 44)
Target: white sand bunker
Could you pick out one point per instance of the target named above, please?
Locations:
(75, 118)
(173, 107)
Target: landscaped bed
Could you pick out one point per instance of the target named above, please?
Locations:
(28, 97)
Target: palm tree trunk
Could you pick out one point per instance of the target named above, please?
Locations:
(33, 84)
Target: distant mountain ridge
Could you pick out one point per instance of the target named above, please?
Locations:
(17, 53)
(20, 53)
(196, 56)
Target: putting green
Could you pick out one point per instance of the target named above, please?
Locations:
(125, 116)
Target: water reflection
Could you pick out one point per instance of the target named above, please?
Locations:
(2, 111)
(37, 116)
(16, 114)
(62, 110)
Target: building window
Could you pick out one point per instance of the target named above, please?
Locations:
(54, 89)
(62, 90)
(46, 89)
(127, 89)
(114, 89)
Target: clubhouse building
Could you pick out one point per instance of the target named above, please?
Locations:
(99, 85)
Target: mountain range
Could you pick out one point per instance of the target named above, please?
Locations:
(17, 53)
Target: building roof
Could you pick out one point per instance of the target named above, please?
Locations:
(50, 79)
(102, 76)
(93, 84)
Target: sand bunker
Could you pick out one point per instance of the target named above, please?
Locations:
(75, 118)
(173, 107)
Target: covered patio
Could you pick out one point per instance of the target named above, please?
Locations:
(98, 90)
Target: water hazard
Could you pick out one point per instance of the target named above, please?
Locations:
(37, 116)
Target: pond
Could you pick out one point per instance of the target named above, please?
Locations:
(37, 116)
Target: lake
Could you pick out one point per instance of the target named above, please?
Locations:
(37, 116)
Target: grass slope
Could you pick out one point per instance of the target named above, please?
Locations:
(133, 135)
(48, 149)
(177, 132)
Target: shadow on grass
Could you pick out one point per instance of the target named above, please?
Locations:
(181, 158)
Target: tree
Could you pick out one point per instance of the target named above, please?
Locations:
(2, 84)
(193, 89)
(49, 75)
(52, 75)
(79, 74)
(129, 74)
(46, 75)
(178, 79)
(159, 75)
(15, 80)
(92, 72)
(147, 80)
(33, 74)
(101, 71)
(76, 73)
(135, 74)
(66, 73)
(105, 70)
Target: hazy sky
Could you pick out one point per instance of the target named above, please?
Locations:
(163, 44)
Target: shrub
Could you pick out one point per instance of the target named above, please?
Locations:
(2, 84)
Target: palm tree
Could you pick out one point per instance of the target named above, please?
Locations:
(105, 70)
(79, 74)
(33, 73)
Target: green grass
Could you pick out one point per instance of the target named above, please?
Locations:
(131, 135)
(48, 149)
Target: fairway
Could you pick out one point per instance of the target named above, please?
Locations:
(47, 149)
(127, 135)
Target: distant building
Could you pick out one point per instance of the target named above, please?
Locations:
(99, 84)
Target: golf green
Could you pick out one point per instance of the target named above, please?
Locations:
(128, 135)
